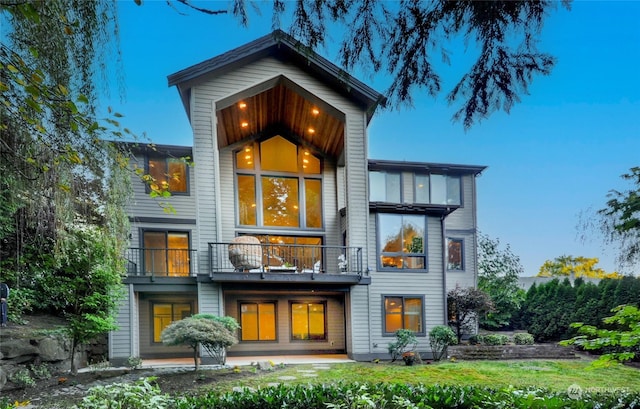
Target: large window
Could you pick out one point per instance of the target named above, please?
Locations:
(384, 187)
(437, 189)
(308, 321)
(455, 259)
(278, 184)
(169, 173)
(401, 241)
(166, 253)
(258, 321)
(403, 312)
(166, 313)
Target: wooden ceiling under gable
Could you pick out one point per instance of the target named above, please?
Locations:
(282, 107)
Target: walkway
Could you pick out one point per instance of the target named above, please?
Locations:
(248, 360)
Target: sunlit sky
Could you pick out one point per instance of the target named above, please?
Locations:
(553, 158)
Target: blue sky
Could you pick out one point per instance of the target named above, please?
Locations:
(553, 158)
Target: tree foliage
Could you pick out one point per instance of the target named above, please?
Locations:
(407, 40)
(465, 306)
(440, 337)
(621, 339)
(194, 332)
(620, 220)
(498, 274)
(565, 266)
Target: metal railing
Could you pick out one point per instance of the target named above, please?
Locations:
(155, 262)
(284, 258)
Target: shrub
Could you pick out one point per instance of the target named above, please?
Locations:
(22, 377)
(440, 337)
(406, 341)
(143, 394)
(495, 339)
(134, 362)
(475, 339)
(523, 339)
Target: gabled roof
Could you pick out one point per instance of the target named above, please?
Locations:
(282, 46)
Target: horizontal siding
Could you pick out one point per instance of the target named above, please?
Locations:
(335, 322)
(464, 217)
(142, 205)
(209, 298)
(120, 339)
(359, 316)
(467, 277)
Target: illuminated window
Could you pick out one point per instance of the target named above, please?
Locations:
(454, 254)
(170, 173)
(278, 184)
(166, 313)
(166, 253)
(258, 321)
(402, 312)
(401, 241)
(308, 321)
(303, 253)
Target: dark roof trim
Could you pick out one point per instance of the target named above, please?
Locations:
(281, 45)
(426, 167)
(151, 149)
(410, 208)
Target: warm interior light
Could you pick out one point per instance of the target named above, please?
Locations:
(305, 160)
(306, 153)
(311, 130)
(295, 207)
(315, 111)
(244, 124)
(249, 163)
(247, 149)
(242, 105)
(253, 205)
(247, 157)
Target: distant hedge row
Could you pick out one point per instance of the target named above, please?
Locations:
(550, 308)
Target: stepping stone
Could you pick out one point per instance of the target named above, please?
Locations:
(243, 389)
(309, 375)
(306, 371)
(273, 384)
(322, 367)
(287, 378)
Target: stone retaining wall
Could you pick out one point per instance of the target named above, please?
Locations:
(538, 351)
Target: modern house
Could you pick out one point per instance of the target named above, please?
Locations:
(284, 223)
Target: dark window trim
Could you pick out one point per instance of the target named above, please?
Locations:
(462, 252)
(425, 244)
(258, 341)
(388, 172)
(152, 303)
(147, 158)
(258, 173)
(446, 175)
(326, 331)
(422, 333)
(143, 230)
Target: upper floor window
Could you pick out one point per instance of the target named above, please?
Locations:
(384, 187)
(278, 184)
(403, 312)
(455, 254)
(401, 241)
(169, 173)
(437, 189)
(166, 253)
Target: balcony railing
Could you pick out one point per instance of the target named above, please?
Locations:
(154, 262)
(284, 258)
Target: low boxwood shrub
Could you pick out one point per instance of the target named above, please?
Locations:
(495, 339)
(523, 339)
(142, 394)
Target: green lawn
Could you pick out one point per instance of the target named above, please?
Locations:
(555, 375)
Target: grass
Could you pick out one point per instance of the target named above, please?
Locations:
(555, 375)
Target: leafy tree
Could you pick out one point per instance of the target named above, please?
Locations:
(464, 306)
(620, 219)
(623, 341)
(564, 266)
(194, 332)
(405, 39)
(498, 274)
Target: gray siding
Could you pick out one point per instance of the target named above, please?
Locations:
(120, 340)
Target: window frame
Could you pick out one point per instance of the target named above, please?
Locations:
(167, 159)
(152, 317)
(386, 174)
(325, 323)
(258, 174)
(424, 254)
(462, 251)
(404, 297)
(447, 177)
(275, 321)
(166, 232)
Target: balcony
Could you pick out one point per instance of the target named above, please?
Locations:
(156, 262)
(241, 262)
